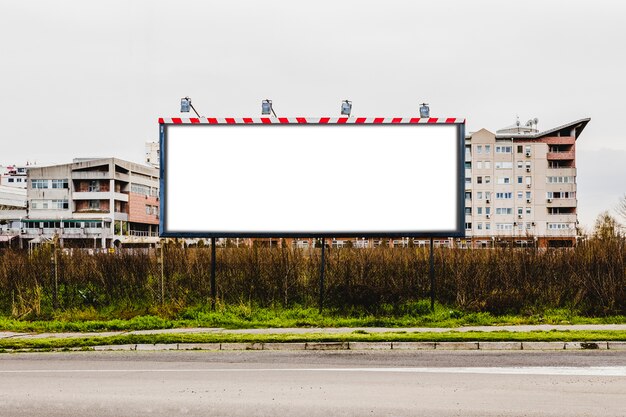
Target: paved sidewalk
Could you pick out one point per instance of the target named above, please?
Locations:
(318, 330)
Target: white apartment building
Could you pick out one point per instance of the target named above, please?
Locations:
(93, 202)
(153, 155)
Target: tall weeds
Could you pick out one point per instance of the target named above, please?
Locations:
(590, 278)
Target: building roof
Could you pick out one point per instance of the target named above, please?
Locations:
(577, 125)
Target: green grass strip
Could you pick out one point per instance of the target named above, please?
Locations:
(452, 336)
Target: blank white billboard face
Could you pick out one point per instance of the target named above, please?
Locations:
(311, 180)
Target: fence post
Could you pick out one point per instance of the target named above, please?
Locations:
(213, 287)
(163, 272)
(321, 302)
(432, 277)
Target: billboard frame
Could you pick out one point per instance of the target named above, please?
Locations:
(458, 232)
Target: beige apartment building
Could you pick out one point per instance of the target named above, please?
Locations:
(520, 186)
(520, 190)
(92, 203)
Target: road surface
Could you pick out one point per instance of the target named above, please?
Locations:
(343, 383)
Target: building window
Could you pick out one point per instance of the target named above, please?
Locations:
(94, 204)
(468, 195)
(520, 164)
(520, 210)
(479, 195)
(10, 179)
(39, 184)
(479, 165)
(60, 183)
(487, 210)
(468, 181)
(528, 210)
(504, 210)
(520, 180)
(560, 180)
(479, 180)
(479, 210)
(468, 211)
(94, 186)
(468, 165)
(487, 179)
(479, 226)
(487, 226)
(504, 165)
(504, 195)
(60, 204)
(487, 164)
(520, 149)
(487, 148)
(503, 149)
(468, 226)
(528, 180)
(479, 148)
(504, 180)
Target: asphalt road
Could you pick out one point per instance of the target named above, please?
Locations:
(346, 383)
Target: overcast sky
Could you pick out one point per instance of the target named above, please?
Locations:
(82, 79)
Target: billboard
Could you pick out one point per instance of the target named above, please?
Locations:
(312, 177)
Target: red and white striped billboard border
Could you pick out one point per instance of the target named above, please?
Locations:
(309, 120)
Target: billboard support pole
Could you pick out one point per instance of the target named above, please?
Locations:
(432, 276)
(322, 275)
(213, 287)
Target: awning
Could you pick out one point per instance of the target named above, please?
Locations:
(7, 238)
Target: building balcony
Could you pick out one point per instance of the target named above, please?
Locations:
(560, 156)
(99, 195)
(91, 175)
(122, 177)
(561, 172)
(561, 202)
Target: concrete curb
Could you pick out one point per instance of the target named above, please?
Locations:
(543, 345)
(500, 345)
(412, 345)
(290, 346)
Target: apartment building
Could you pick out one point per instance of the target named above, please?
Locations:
(520, 186)
(520, 190)
(93, 203)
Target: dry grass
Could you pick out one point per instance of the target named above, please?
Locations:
(590, 279)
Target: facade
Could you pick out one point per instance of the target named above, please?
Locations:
(93, 202)
(520, 190)
(520, 186)
(13, 175)
(13, 182)
(153, 155)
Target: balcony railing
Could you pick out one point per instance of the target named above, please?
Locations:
(143, 233)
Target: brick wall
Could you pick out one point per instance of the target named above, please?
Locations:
(137, 208)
